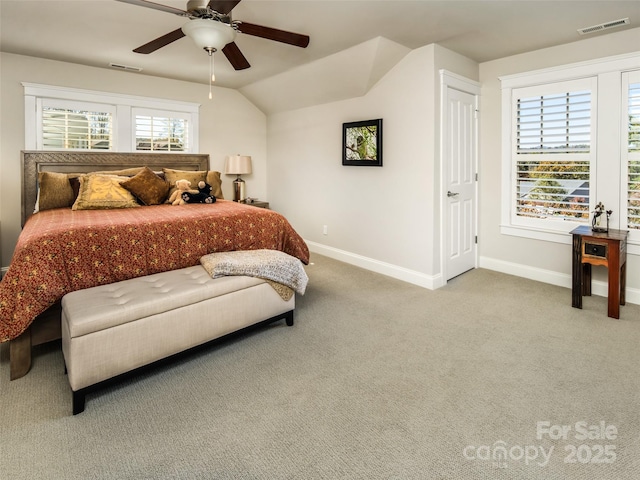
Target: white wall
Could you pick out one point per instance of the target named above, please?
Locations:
(384, 219)
(546, 261)
(229, 124)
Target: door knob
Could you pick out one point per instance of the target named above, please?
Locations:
(452, 194)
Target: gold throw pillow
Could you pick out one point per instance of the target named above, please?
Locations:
(147, 187)
(102, 192)
(54, 191)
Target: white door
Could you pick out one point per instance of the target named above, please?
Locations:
(460, 160)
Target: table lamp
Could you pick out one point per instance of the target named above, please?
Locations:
(238, 165)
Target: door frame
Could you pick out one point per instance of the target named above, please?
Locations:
(450, 80)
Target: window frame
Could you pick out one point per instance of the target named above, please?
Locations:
(42, 103)
(516, 155)
(628, 78)
(604, 181)
(122, 104)
(135, 112)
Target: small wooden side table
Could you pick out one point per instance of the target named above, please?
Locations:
(258, 203)
(599, 248)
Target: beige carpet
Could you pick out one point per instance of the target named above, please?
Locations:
(378, 379)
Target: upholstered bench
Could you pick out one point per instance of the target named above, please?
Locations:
(116, 328)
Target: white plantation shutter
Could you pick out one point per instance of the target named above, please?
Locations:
(161, 131)
(557, 123)
(60, 118)
(73, 126)
(553, 131)
(633, 156)
(570, 140)
(553, 189)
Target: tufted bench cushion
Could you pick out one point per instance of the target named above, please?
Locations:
(112, 329)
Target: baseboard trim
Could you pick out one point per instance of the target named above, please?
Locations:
(411, 276)
(548, 276)
(433, 282)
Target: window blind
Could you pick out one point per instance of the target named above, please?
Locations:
(553, 172)
(64, 128)
(559, 123)
(156, 133)
(633, 185)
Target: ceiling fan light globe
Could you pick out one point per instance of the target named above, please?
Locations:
(209, 34)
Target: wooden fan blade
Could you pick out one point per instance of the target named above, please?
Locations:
(235, 56)
(160, 42)
(155, 6)
(223, 6)
(269, 33)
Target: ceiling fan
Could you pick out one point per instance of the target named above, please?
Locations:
(210, 26)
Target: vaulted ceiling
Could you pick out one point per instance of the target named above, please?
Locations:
(101, 32)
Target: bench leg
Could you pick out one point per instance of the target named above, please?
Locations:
(289, 318)
(78, 401)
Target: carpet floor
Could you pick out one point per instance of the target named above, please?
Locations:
(489, 377)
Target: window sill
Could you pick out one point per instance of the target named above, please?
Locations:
(537, 233)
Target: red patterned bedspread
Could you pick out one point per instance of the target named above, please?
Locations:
(61, 250)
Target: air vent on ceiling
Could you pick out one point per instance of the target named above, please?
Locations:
(603, 26)
(125, 67)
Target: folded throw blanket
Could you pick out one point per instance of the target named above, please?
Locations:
(271, 265)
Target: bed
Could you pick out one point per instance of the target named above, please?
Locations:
(61, 250)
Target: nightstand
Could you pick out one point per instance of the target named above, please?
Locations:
(258, 203)
(599, 248)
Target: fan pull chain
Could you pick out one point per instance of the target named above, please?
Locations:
(211, 75)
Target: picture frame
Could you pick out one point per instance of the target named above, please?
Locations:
(362, 143)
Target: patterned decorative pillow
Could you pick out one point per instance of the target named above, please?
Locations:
(103, 191)
(211, 177)
(54, 191)
(147, 187)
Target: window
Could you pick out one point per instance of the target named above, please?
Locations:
(73, 119)
(69, 128)
(161, 131)
(567, 147)
(553, 146)
(633, 154)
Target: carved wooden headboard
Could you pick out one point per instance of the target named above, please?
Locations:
(34, 162)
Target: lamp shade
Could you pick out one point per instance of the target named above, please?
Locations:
(237, 165)
(209, 34)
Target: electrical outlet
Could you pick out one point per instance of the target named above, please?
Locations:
(325, 230)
